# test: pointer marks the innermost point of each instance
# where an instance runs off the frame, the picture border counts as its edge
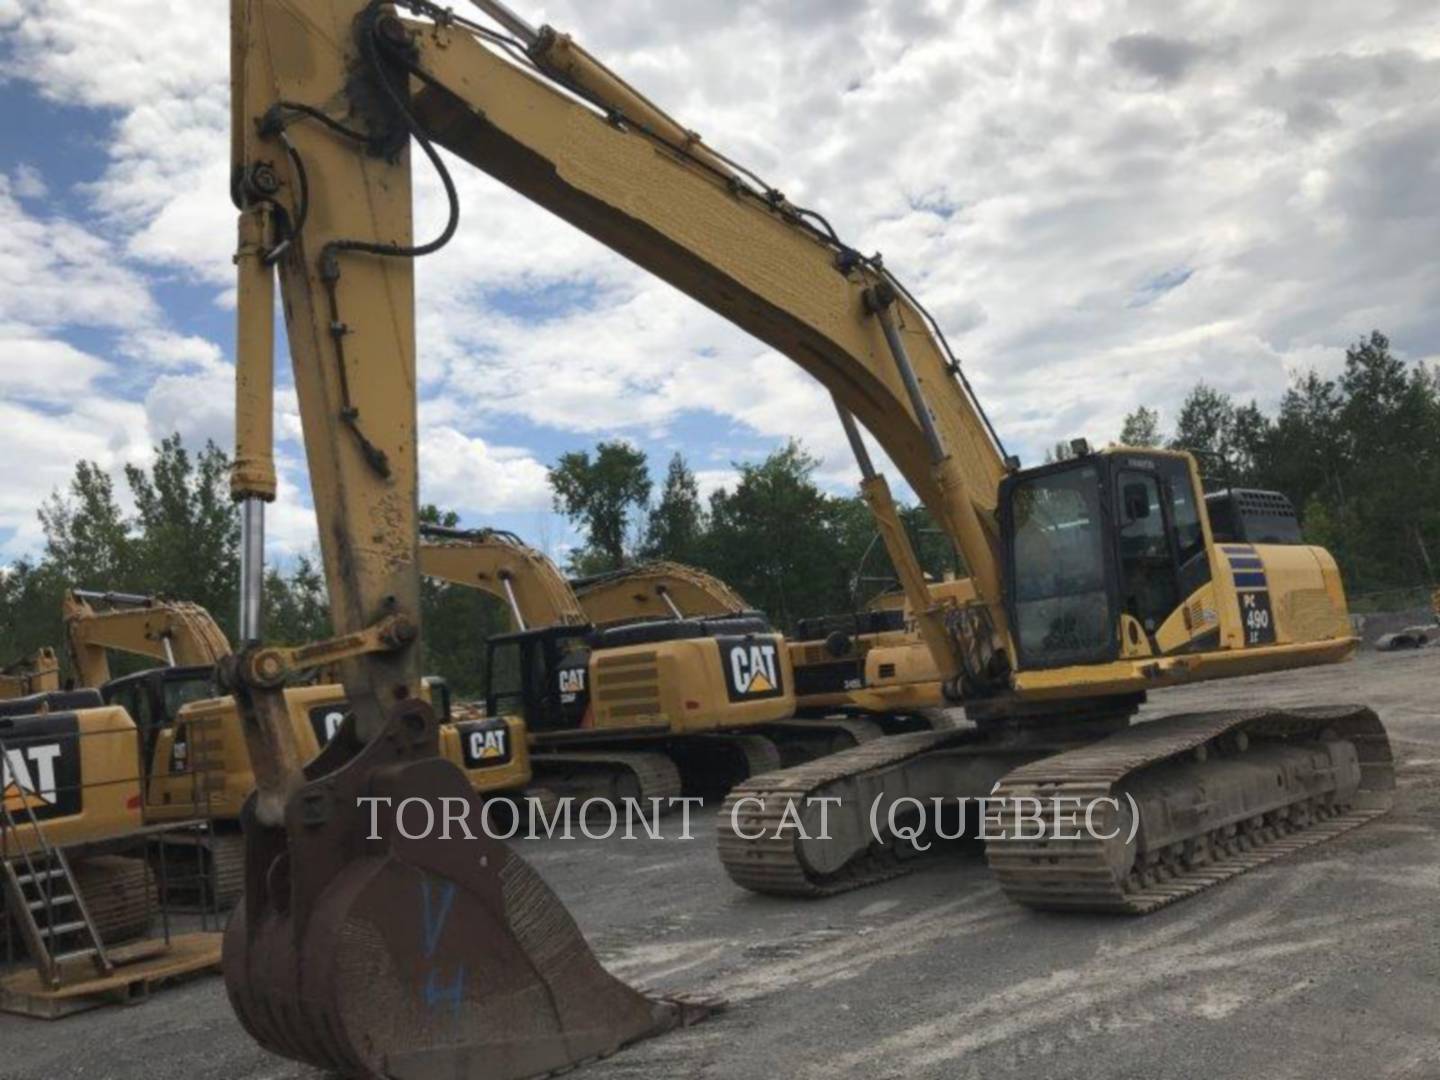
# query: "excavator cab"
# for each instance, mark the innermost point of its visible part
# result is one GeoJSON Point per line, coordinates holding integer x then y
{"type": "Point", "coordinates": [1105, 553]}
{"type": "Point", "coordinates": [541, 675]}
{"type": "Point", "coordinates": [154, 698]}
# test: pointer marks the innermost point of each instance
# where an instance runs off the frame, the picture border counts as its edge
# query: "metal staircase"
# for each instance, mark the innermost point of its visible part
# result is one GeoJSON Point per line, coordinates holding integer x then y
{"type": "Point", "coordinates": [44, 899]}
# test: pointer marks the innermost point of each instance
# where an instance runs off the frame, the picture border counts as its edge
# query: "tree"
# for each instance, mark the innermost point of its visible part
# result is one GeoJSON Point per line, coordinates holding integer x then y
{"type": "Point", "coordinates": [1141, 428]}
{"type": "Point", "coordinates": [87, 540]}
{"type": "Point", "coordinates": [676, 525]}
{"type": "Point", "coordinates": [297, 604]}
{"type": "Point", "coordinates": [776, 538]}
{"type": "Point", "coordinates": [1206, 422]}
{"type": "Point", "coordinates": [186, 528]}
{"type": "Point", "coordinates": [1250, 434]}
{"type": "Point", "coordinates": [599, 494]}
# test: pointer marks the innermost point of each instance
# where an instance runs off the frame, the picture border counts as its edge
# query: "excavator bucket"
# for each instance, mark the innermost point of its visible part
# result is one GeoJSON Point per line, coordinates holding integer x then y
{"type": "Point", "coordinates": [363, 951]}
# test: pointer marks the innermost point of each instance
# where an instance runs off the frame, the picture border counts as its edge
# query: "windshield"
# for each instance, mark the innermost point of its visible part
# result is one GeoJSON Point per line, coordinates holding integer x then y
{"type": "Point", "coordinates": [1062, 610]}
{"type": "Point", "coordinates": [180, 692]}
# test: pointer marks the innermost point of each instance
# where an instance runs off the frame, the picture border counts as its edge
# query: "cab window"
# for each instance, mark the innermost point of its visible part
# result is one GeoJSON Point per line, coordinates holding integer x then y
{"type": "Point", "coordinates": [1058, 578]}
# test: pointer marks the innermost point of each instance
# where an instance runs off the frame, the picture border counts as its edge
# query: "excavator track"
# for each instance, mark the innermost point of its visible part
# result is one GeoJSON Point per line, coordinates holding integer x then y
{"type": "Point", "coordinates": [1048, 871]}
{"type": "Point", "coordinates": [774, 862]}
{"type": "Point", "coordinates": [203, 871]}
{"type": "Point", "coordinates": [121, 895]}
{"type": "Point", "coordinates": [805, 739]}
{"type": "Point", "coordinates": [761, 754]}
{"type": "Point", "coordinates": [608, 775]}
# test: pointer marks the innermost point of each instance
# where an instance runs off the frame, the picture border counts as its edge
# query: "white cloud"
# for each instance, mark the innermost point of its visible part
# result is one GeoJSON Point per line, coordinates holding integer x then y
{"type": "Point", "coordinates": [473, 477]}
{"type": "Point", "coordinates": [1101, 203]}
{"type": "Point", "coordinates": [27, 183]}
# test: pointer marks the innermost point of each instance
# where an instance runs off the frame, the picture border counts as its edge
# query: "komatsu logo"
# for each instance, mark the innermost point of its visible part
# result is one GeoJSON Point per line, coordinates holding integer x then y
{"type": "Point", "coordinates": [41, 768]}
{"type": "Point", "coordinates": [752, 667]}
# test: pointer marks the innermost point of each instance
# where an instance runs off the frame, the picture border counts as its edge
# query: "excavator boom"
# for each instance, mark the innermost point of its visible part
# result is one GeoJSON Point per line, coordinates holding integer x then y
{"type": "Point", "coordinates": [176, 633]}
{"type": "Point", "coordinates": [531, 586]}
{"type": "Point", "coordinates": [536, 593]}
{"type": "Point", "coordinates": [656, 590]}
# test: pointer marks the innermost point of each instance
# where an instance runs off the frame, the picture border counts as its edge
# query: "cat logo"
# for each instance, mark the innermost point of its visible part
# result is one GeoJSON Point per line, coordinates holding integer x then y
{"type": "Point", "coordinates": [484, 743]}
{"type": "Point", "coordinates": [325, 721]}
{"type": "Point", "coordinates": [572, 684]}
{"type": "Point", "coordinates": [40, 770]}
{"type": "Point", "coordinates": [752, 667]}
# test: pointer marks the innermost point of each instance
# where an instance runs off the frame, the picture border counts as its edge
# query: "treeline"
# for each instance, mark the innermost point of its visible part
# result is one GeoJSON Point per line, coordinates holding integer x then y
{"type": "Point", "coordinates": [790, 548]}
{"type": "Point", "coordinates": [1359, 455]}
{"type": "Point", "coordinates": [183, 542]}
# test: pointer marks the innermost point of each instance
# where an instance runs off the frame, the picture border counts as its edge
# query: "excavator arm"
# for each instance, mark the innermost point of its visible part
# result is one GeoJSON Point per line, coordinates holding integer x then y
{"type": "Point", "coordinates": [544, 117]}
{"type": "Point", "coordinates": [656, 590]}
{"type": "Point", "coordinates": [496, 562]}
{"type": "Point", "coordinates": [176, 633]}
{"type": "Point", "coordinates": [537, 594]}
{"type": "Point", "coordinates": [362, 947]}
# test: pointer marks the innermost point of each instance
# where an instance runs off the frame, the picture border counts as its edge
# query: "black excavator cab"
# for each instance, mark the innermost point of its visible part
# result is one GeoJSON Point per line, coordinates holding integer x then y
{"type": "Point", "coordinates": [541, 674]}
{"type": "Point", "coordinates": [154, 697]}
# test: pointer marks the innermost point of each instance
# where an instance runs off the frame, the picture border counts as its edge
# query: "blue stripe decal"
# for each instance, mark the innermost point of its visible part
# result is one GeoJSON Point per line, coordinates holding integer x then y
{"type": "Point", "coordinates": [1250, 580]}
{"type": "Point", "coordinates": [1246, 562]}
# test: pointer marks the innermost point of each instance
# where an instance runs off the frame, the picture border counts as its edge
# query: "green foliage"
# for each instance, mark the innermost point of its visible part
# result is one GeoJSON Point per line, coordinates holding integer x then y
{"type": "Point", "coordinates": [186, 530]}
{"type": "Point", "coordinates": [297, 606]}
{"type": "Point", "coordinates": [87, 539]}
{"type": "Point", "coordinates": [785, 545]}
{"type": "Point", "coordinates": [1207, 422]}
{"type": "Point", "coordinates": [676, 525]}
{"type": "Point", "coordinates": [1359, 455]}
{"type": "Point", "coordinates": [181, 542]}
{"type": "Point", "coordinates": [599, 494]}
{"type": "Point", "coordinates": [1141, 428]}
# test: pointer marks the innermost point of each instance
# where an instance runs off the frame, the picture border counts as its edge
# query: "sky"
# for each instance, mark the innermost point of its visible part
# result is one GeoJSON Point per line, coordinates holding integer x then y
{"type": "Point", "coordinates": [1102, 203]}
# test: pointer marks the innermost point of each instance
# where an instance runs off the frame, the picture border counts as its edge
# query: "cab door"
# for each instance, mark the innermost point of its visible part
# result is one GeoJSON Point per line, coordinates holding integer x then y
{"type": "Point", "coordinates": [1149, 579]}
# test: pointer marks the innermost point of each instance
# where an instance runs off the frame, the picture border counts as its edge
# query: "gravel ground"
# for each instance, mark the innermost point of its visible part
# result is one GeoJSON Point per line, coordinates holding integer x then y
{"type": "Point", "coordinates": [1324, 964]}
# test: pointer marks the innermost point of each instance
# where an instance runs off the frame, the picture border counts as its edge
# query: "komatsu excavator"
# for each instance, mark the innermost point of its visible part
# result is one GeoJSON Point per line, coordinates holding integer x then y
{"type": "Point", "coordinates": [380, 950]}
{"type": "Point", "coordinates": [37, 673]}
{"type": "Point", "coordinates": [642, 683]}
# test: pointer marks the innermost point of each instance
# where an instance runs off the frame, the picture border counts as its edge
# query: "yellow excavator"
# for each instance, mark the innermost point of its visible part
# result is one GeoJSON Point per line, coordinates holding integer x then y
{"type": "Point", "coordinates": [642, 683]}
{"type": "Point", "coordinates": [658, 589]}
{"type": "Point", "coordinates": [373, 948]}
{"type": "Point", "coordinates": [873, 662]}
{"type": "Point", "coordinates": [37, 673]}
{"type": "Point", "coordinates": [191, 746]}
{"type": "Point", "coordinates": [69, 807]}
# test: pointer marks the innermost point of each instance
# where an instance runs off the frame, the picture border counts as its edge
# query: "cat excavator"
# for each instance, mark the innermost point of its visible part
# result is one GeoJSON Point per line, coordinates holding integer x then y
{"type": "Point", "coordinates": [658, 589]}
{"type": "Point", "coordinates": [375, 949]}
{"type": "Point", "coordinates": [37, 673]}
{"type": "Point", "coordinates": [643, 683]}
{"type": "Point", "coordinates": [191, 746]}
